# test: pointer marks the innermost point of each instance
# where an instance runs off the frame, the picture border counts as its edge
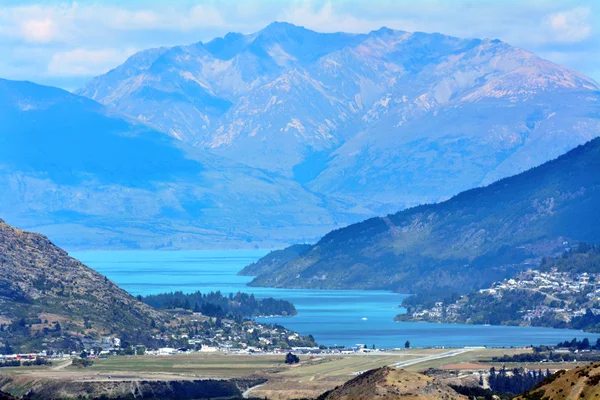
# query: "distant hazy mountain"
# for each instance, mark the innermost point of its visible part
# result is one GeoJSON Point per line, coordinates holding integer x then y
{"type": "Point", "coordinates": [88, 177]}
{"type": "Point", "coordinates": [467, 242]}
{"type": "Point", "coordinates": [379, 121]}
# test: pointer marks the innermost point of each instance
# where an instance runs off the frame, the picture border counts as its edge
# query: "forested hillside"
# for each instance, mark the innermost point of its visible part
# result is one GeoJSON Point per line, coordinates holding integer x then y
{"type": "Point", "coordinates": [477, 237]}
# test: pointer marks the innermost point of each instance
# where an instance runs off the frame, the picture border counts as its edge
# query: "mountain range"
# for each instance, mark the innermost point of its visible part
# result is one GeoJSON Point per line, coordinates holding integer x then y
{"type": "Point", "coordinates": [279, 136]}
{"type": "Point", "coordinates": [380, 120]}
{"type": "Point", "coordinates": [475, 238]}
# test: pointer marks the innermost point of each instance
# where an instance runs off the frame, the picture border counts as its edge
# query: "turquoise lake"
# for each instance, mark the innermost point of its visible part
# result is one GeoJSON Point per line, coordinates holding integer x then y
{"type": "Point", "coordinates": [331, 316]}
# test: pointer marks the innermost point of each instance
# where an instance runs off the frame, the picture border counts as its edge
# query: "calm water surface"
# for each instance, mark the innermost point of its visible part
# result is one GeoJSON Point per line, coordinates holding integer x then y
{"type": "Point", "coordinates": [331, 316]}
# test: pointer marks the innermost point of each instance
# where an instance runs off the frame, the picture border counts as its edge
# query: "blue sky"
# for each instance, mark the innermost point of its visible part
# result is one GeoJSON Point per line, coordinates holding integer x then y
{"type": "Point", "coordinates": [65, 43]}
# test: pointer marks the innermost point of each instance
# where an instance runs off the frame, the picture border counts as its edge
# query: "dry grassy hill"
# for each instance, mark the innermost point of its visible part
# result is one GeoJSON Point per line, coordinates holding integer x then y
{"type": "Point", "coordinates": [390, 384]}
{"type": "Point", "coordinates": [579, 383]}
{"type": "Point", "coordinates": [50, 300]}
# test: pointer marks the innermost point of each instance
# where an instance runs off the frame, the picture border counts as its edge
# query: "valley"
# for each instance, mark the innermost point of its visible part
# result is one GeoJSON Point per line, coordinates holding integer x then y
{"type": "Point", "coordinates": [313, 376]}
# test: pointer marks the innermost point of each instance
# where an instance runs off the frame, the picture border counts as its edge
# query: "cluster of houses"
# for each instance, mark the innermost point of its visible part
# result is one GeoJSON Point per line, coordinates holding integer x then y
{"type": "Point", "coordinates": [553, 283]}
{"type": "Point", "coordinates": [438, 311]}
{"type": "Point", "coordinates": [18, 357]}
{"type": "Point", "coordinates": [563, 292]}
{"type": "Point", "coordinates": [233, 336]}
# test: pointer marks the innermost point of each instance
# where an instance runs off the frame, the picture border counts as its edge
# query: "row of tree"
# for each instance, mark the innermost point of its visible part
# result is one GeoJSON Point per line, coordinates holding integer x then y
{"type": "Point", "coordinates": [517, 382]}
{"type": "Point", "coordinates": [26, 363]}
{"type": "Point", "coordinates": [579, 345]}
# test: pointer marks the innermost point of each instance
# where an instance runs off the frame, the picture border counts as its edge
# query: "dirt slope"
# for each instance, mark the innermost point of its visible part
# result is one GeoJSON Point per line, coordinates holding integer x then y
{"type": "Point", "coordinates": [390, 384]}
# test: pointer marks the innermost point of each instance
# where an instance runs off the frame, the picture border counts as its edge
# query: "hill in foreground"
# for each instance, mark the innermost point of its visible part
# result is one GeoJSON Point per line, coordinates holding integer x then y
{"type": "Point", "coordinates": [477, 237]}
{"type": "Point", "coordinates": [579, 383]}
{"type": "Point", "coordinates": [49, 300]}
{"type": "Point", "coordinates": [390, 383]}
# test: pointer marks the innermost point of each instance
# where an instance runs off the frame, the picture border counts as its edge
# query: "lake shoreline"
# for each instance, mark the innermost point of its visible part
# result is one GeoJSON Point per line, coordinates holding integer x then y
{"type": "Point", "coordinates": [331, 316]}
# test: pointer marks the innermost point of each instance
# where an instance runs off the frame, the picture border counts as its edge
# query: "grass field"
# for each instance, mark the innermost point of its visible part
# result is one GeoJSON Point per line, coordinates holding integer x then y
{"type": "Point", "coordinates": [193, 364]}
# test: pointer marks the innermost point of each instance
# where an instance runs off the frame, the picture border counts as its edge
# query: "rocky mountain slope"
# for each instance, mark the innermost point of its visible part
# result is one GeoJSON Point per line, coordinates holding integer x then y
{"type": "Point", "coordinates": [390, 383]}
{"type": "Point", "coordinates": [379, 121]}
{"type": "Point", "coordinates": [579, 383]}
{"type": "Point", "coordinates": [88, 177]}
{"type": "Point", "coordinates": [50, 300]}
{"type": "Point", "coordinates": [475, 238]}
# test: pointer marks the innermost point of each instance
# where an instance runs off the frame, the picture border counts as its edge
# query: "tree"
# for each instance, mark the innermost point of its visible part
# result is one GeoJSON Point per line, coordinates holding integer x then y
{"type": "Point", "coordinates": [407, 345]}
{"type": "Point", "coordinates": [292, 358]}
{"type": "Point", "coordinates": [373, 347]}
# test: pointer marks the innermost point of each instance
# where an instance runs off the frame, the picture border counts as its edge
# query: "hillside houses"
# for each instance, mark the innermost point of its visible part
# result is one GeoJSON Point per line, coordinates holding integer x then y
{"type": "Point", "coordinates": [553, 296]}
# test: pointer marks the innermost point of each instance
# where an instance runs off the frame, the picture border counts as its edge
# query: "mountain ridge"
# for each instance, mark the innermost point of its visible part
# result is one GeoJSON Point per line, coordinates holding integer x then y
{"type": "Point", "coordinates": [377, 110]}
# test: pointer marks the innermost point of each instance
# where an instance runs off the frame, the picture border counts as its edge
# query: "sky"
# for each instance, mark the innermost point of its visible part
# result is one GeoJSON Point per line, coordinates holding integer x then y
{"type": "Point", "coordinates": [65, 43]}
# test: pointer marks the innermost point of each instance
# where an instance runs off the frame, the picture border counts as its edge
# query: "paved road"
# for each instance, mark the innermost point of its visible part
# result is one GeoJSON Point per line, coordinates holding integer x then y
{"type": "Point", "coordinates": [403, 364]}
{"type": "Point", "coordinates": [414, 361]}
{"type": "Point", "coordinates": [246, 394]}
{"type": "Point", "coordinates": [62, 366]}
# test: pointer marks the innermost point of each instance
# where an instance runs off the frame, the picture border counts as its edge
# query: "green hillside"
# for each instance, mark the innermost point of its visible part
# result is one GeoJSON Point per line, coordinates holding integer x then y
{"type": "Point", "coordinates": [475, 238]}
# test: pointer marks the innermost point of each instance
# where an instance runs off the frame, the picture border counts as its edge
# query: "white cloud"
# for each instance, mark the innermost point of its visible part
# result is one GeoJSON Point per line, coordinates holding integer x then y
{"type": "Point", "coordinates": [39, 30]}
{"type": "Point", "coordinates": [83, 62]}
{"type": "Point", "coordinates": [170, 19]}
{"type": "Point", "coordinates": [73, 21]}
{"type": "Point", "coordinates": [571, 26]}
{"type": "Point", "coordinates": [37, 23]}
{"type": "Point", "coordinates": [327, 19]}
